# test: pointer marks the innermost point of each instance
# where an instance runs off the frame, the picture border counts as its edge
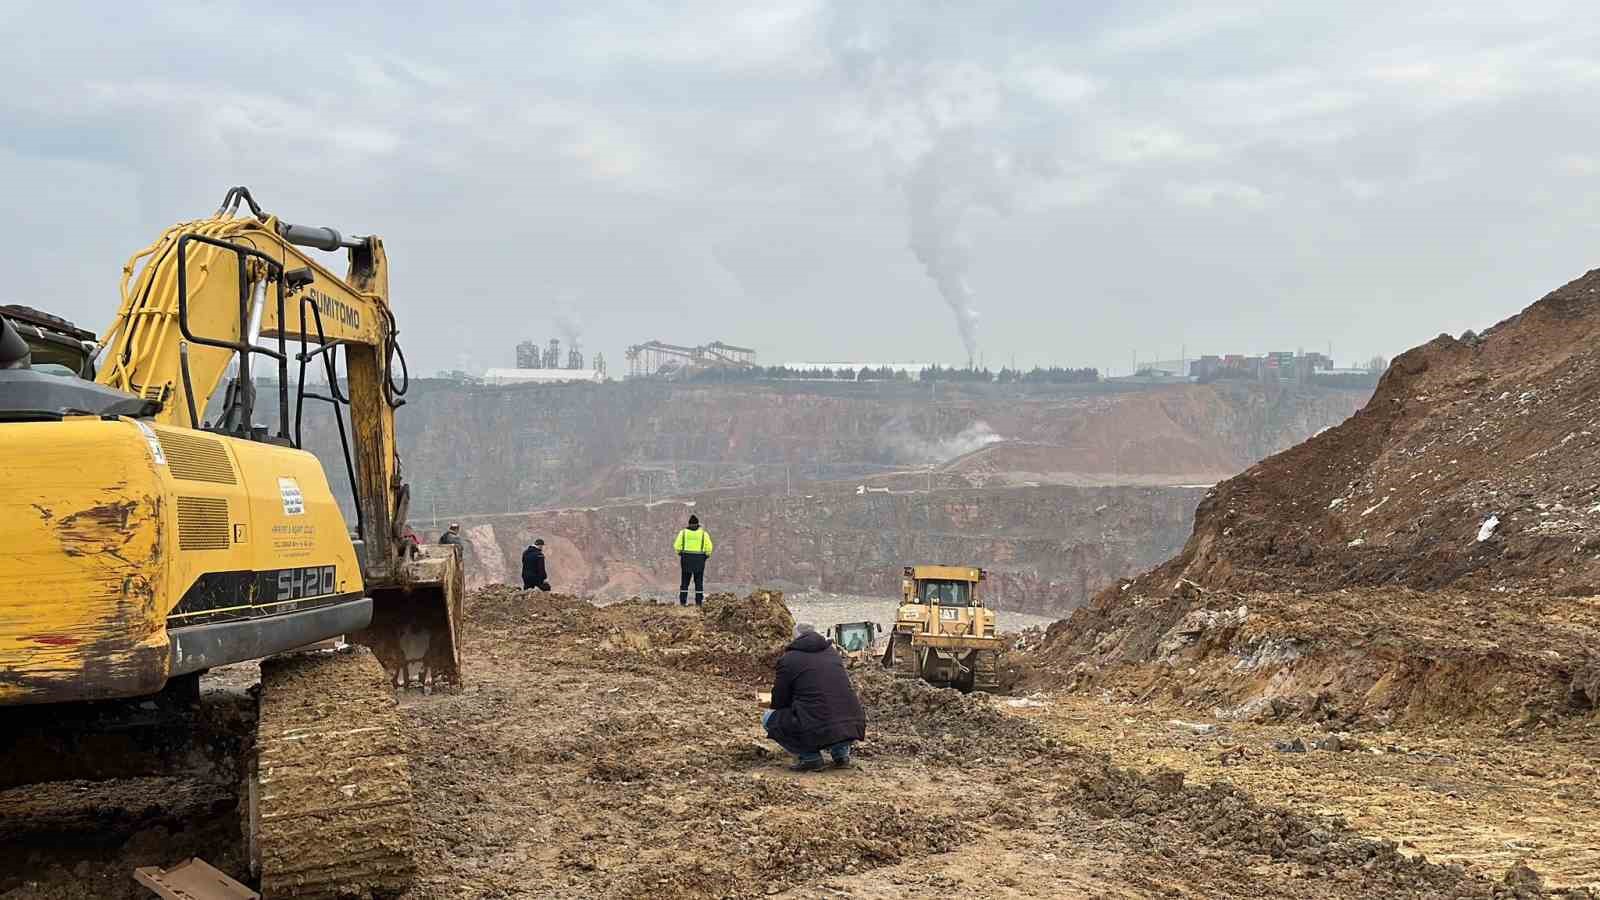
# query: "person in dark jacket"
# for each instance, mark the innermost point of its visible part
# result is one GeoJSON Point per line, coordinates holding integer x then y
{"type": "Point", "coordinates": [533, 571]}
{"type": "Point", "coordinates": [452, 536]}
{"type": "Point", "coordinates": [814, 708]}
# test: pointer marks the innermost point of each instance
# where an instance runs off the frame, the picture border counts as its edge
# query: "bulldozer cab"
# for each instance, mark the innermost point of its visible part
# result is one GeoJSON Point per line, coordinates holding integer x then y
{"type": "Point", "coordinates": [942, 592]}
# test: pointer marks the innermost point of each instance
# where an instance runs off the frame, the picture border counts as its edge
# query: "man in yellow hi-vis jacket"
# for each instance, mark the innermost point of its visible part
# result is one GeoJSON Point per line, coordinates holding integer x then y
{"type": "Point", "coordinates": [693, 546]}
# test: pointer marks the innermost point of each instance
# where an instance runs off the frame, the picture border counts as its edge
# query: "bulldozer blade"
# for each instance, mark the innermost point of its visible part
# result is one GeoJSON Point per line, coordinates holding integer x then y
{"type": "Point", "coordinates": [416, 621]}
{"type": "Point", "coordinates": [901, 658]}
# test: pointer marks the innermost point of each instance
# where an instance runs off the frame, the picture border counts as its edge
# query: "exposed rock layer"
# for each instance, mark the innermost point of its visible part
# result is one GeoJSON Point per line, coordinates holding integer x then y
{"type": "Point", "coordinates": [1047, 548]}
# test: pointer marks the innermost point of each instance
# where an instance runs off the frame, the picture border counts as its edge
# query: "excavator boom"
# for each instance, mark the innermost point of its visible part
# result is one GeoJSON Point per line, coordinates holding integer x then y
{"type": "Point", "coordinates": [242, 291]}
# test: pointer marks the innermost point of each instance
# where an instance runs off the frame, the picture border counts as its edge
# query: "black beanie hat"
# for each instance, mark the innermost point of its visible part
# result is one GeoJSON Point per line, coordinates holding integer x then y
{"type": "Point", "coordinates": [694, 520]}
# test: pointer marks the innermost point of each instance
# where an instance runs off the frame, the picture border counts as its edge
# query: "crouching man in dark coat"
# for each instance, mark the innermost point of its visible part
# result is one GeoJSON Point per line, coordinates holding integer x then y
{"type": "Point", "coordinates": [814, 708]}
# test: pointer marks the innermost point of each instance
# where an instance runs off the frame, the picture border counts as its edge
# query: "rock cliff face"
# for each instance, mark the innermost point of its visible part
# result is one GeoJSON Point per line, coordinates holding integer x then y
{"type": "Point", "coordinates": [481, 450]}
{"type": "Point", "coordinates": [1047, 548]}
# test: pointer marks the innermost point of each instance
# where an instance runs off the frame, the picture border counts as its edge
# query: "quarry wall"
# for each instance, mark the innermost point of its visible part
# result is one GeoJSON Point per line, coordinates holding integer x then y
{"type": "Point", "coordinates": [1058, 490]}
{"type": "Point", "coordinates": [1047, 548]}
{"type": "Point", "coordinates": [470, 449]}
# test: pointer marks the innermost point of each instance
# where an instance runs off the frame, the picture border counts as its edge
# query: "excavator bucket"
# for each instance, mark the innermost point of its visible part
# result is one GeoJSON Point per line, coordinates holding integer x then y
{"type": "Point", "coordinates": [416, 621]}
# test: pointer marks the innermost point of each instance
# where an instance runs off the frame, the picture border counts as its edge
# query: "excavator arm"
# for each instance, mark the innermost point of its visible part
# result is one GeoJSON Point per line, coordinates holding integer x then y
{"type": "Point", "coordinates": [241, 290]}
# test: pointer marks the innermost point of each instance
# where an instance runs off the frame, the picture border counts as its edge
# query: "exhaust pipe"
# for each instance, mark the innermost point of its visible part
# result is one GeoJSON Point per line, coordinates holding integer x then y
{"type": "Point", "coordinates": [14, 352]}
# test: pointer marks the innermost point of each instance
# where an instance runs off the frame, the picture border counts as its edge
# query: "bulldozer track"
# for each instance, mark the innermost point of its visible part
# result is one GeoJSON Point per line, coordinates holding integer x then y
{"type": "Point", "coordinates": [985, 671]}
{"type": "Point", "coordinates": [330, 807]}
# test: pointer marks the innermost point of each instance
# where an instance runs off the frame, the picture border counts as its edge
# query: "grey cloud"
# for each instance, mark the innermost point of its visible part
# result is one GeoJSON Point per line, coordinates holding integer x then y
{"type": "Point", "coordinates": [1251, 176]}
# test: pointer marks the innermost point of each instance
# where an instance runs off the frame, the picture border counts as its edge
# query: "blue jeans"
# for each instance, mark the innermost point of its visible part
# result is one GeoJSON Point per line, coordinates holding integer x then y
{"type": "Point", "coordinates": [840, 751]}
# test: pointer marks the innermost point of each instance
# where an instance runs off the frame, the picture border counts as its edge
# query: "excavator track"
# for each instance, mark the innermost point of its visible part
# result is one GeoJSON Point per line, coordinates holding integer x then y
{"type": "Point", "coordinates": [329, 810]}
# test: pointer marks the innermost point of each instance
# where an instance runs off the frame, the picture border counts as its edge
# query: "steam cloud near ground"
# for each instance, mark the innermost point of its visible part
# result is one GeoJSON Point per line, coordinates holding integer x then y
{"type": "Point", "coordinates": [906, 446]}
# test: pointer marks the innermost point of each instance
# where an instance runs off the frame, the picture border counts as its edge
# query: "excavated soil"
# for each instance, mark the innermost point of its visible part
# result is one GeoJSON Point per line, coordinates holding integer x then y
{"type": "Point", "coordinates": [1436, 558]}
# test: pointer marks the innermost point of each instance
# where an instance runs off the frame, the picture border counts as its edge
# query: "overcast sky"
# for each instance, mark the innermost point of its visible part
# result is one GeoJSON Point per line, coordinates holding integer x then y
{"type": "Point", "coordinates": [800, 177]}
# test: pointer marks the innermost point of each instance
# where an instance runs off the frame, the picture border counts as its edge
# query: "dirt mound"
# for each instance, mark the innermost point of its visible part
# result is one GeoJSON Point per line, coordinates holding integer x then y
{"type": "Point", "coordinates": [1470, 466]}
{"type": "Point", "coordinates": [501, 605]}
{"type": "Point", "coordinates": [945, 719]}
{"type": "Point", "coordinates": [761, 616]}
{"type": "Point", "coordinates": [1469, 469]}
{"type": "Point", "coordinates": [733, 636]}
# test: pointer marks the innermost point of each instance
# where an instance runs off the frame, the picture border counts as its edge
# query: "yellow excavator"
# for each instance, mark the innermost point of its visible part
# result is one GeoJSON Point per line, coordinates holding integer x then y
{"type": "Point", "coordinates": [148, 539]}
{"type": "Point", "coordinates": [943, 633]}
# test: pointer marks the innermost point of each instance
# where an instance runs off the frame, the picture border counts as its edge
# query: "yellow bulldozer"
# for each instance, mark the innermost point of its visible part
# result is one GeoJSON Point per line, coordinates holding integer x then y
{"type": "Point", "coordinates": [943, 633]}
{"type": "Point", "coordinates": [151, 535]}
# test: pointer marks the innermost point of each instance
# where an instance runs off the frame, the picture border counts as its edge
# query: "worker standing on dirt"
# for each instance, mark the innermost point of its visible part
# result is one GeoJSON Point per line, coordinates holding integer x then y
{"type": "Point", "coordinates": [693, 546]}
{"type": "Point", "coordinates": [533, 571]}
{"type": "Point", "coordinates": [814, 707]}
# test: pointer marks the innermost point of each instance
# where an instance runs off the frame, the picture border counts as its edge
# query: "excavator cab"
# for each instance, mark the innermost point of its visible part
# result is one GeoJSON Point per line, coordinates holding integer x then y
{"type": "Point", "coordinates": [54, 345]}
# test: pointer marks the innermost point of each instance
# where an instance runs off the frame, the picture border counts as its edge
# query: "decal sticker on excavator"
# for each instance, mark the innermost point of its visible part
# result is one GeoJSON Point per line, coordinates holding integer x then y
{"type": "Point", "coordinates": [294, 502]}
{"type": "Point", "coordinates": [156, 452]}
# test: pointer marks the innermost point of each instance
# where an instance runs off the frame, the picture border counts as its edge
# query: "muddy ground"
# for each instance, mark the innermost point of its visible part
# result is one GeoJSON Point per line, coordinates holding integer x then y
{"type": "Point", "coordinates": [617, 752]}
{"type": "Point", "coordinates": [1479, 797]}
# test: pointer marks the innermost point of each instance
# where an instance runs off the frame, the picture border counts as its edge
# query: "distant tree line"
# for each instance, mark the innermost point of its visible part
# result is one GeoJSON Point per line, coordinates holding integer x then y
{"type": "Point", "coordinates": [784, 373]}
{"type": "Point", "coordinates": [936, 373]}
{"type": "Point", "coordinates": [1052, 375]}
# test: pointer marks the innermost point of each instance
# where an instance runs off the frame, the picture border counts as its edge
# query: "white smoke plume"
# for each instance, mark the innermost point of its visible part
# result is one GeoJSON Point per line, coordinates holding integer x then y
{"type": "Point", "coordinates": [950, 179]}
{"type": "Point", "coordinates": [955, 137]}
{"type": "Point", "coordinates": [906, 446]}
